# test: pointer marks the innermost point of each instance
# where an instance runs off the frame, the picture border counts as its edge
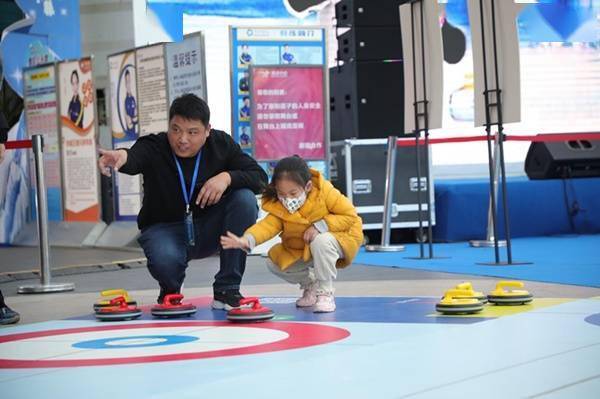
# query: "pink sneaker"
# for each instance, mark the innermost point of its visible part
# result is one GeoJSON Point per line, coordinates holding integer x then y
{"type": "Point", "coordinates": [325, 303]}
{"type": "Point", "coordinates": [308, 299]}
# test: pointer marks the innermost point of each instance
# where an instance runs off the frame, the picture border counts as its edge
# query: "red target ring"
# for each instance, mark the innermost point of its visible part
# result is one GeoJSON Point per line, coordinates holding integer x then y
{"type": "Point", "coordinates": [300, 335]}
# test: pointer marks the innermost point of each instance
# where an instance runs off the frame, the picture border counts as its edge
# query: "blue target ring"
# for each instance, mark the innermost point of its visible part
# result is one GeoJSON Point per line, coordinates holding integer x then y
{"type": "Point", "coordinates": [144, 341]}
{"type": "Point", "coordinates": [593, 319]}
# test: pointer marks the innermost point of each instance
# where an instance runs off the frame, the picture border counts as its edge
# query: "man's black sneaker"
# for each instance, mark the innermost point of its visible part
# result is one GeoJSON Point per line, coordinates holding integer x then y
{"type": "Point", "coordinates": [8, 316]}
{"type": "Point", "coordinates": [161, 296]}
{"type": "Point", "coordinates": [226, 300]}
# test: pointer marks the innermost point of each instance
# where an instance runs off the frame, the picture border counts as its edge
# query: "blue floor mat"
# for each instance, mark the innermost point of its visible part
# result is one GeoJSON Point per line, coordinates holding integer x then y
{"type": "Point", "coordinates": [559, 259]}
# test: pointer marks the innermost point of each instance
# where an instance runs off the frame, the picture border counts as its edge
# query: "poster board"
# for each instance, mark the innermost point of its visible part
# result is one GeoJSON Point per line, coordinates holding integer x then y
{"type": "Point", "coordinates": [414, 69]}
{"type": "Point", "coordinates": [123, 96]}
{"type": "Point", "coordinates": [143, 83]}
{"type": "Point", "coordinates": [288, 112]}
{"type": "Point", "coordinates": [508, 56]}
{"type": "Point", "coordinates": [186, 70]}
{"type": "Point", "coordinates": [124, 121]}
{"type": "Point", "coordinates": [41, 117]}
{"type": "Point", "coordinates": [257, 46]}
{"type": "Point", "coordinates": [78, 141]}
{"type": "Point", "coordinates": [152, 89]}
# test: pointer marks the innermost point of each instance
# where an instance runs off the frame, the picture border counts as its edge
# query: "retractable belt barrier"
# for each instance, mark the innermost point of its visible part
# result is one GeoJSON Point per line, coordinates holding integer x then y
{"type": "Point", "coordinates": [546, 137]}
{"type": "Point", "coordinates": [45, 286]}
{"type": "Point", "coordinates": [411, 142]}
{"type": "Point", "coordinates": [13, 145]}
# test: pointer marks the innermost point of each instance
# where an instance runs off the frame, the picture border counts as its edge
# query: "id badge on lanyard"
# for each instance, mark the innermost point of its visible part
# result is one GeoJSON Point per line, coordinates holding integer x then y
{"type": "Point", "coordinates": [189, 226]}
{"type": "Point", "coordinates": [188, 219]}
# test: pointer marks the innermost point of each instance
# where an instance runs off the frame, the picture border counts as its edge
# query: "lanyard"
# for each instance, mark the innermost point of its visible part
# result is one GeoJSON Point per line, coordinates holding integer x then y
{"type": "Point", "coordinates": [187, 196]}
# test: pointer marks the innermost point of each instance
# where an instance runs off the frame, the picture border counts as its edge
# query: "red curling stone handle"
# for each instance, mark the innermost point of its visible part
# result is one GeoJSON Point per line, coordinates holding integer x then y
{"type": "Point", "coordinates": [119, 301]}
{"type": "Point", "coordinates": [251, 301]}
{"type": "Point", "coordinates": [173, 299]}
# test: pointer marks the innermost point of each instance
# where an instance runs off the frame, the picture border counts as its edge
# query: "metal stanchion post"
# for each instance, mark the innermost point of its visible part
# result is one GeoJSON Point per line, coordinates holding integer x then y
{"type": "Point", "coordinates": [386, 225]}
{"type": "Point", "coordinates": [419, 188]}
{"type": "Point", "coordinates": [489, 241]}
{"type": "Point", "coordinates": [495, 103]}
{"type": "Point", "coordinates": [42, 216]}
{"type": "Point", "coordinates": [421, 125]}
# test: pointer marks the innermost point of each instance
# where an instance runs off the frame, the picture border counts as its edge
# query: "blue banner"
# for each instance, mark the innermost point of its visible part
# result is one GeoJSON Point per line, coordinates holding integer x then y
{"type": "Point", "coordinates": [50, 31]}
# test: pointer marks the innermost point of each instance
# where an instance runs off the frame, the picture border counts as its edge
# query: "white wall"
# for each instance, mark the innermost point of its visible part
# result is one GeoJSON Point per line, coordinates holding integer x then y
{"type": "Point", "coordinates": [106, 28]}
{"type": "Point", "coordinates": [148, 29]}
{"type": "Point", "coordinates": [111, 26]}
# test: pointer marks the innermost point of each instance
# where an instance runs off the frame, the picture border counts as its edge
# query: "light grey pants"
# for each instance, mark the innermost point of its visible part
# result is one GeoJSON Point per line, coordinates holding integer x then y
{"type": "Point", "coordinates": [325, 250]}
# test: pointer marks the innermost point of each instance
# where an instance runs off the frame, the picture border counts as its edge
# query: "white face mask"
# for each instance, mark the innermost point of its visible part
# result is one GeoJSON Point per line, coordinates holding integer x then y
{"type": "Point", "coordinates": [293, 204]}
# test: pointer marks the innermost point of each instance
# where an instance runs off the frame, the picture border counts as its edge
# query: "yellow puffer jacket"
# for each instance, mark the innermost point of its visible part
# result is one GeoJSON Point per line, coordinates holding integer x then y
{"type": "Point", "coordinates": [323, 202]}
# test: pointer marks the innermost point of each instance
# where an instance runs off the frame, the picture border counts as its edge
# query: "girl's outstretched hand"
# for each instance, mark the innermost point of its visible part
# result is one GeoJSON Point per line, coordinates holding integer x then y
{"type": "Point", "coordinates": [231, 241]}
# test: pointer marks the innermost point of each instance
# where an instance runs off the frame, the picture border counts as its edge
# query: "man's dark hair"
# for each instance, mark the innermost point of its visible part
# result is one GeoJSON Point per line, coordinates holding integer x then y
{"type": "Point", "coordinates": [191, 107]}
{"type": "Point", "coordinates": [74, 73]}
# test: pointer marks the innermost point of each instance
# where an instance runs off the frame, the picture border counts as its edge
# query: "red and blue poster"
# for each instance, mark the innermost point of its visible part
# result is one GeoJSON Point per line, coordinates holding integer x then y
{"type": "Point", "coordinates": [287, 114]}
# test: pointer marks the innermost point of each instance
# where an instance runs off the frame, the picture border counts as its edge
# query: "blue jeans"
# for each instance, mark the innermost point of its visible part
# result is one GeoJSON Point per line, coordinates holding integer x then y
{"type": "Point", "coordinates": [166, 249]}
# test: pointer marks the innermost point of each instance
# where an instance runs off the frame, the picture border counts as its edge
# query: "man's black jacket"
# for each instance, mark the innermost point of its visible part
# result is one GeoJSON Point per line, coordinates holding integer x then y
{"type": "Point", "coordinates": [163, 197]}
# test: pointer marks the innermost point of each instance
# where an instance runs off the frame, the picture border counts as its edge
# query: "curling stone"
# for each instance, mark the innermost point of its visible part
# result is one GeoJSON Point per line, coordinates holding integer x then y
{"type": "Point", "coordinates": [467, 286]}
{"type": "Point", "coordinates": [118, 310]}
{"type": "Point", "coordinates": [107, 295]}
{"type": "Point", "coordinates": [173, 307]}
{"type": "Point", "coordinates": [500, 296]}
{"type": "Point", "coordinates": [458, 302]}
{"type": "Point", "coordinates": [250, 314]}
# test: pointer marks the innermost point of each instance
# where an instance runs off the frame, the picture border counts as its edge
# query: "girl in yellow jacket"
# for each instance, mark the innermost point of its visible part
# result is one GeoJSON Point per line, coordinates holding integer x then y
{"type": "Point", "coordinates": [320, 231]}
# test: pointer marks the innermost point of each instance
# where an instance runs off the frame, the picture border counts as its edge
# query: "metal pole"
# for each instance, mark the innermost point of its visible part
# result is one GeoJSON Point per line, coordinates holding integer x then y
{"type": "Point", "coordinates": [42, 216]}
{"type": "Point", "coordinates": [488, 128]}
{"type": "Point", "coordinates": [426, 126]}
{"type": "Point", "coordinates": [417, 129]}
{"type": "Point", "coordinates": [348, 165]}
{"type": "Point", "coordinates": [489, 240]}
{"type": "Point", "coordinates": [419, 202]}
{"type": "Point", "coordinates": [390, 176]}
{"type": "Point", "coordinates": [425, 116]}
{"type": "Point", "coordinates": [428, 201]}
{"type": "Point", "coordinates": [501, 143]}
{"type": "Point", "coordinates": [390, 173]}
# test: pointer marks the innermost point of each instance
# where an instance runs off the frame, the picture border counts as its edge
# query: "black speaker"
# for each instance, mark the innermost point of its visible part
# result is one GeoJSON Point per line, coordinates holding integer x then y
{"type": "Point", "coordinates": [367, 100]}
{"type": "Point", "coordinates": [335, 121]}
{"type": "Point", "coordinates": [573, 158]}
{"type": "Point", "coordinates": [370, 44]}
{"type": "Point", "coordinates": [368, 12]}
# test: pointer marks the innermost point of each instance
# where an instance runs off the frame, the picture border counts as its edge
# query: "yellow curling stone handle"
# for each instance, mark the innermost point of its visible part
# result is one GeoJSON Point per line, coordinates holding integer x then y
{"type": "Point", "coordinates": [465, 286]}
{"type": "Point", "coordinates": [454, 297]}
{"type": "Point", "coordinates": [117, 292]}
{"type": "Point", "coordinates": [452, 294]}
{"type": "Point", "coordinates": [506, 284]}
